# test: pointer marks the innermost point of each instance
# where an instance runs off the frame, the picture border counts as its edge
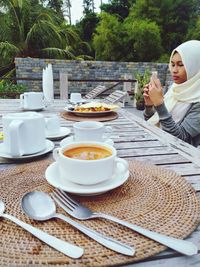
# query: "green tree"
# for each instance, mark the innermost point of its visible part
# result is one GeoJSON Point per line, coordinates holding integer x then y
{"type": "Point", "coordinates": [87, 26]}
{"type": "Point", "coordinates": [118, 7]}
{"type": "Point", "coordinates": [173, 17]}
{"type": "Point", "coordinates": [143, 42]}
{"type": "Point", "coordinates": [194, 32]}
{"type": "Point", "coordinates": [108, 38]}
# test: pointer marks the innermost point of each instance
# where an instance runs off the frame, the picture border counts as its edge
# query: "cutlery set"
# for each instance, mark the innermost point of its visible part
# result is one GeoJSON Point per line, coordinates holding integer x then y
{"type": "Point", "coordinates": [41, 207]}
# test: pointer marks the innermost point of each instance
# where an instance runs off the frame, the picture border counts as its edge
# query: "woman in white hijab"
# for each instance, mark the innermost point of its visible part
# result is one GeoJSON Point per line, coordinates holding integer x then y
{"type": "Point", "coordinates": [178, 111]}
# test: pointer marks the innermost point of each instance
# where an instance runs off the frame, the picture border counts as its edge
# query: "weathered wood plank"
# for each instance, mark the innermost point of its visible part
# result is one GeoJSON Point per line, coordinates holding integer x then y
{"type": "Point", "coordinates": [139, 138]}
{"type": "Point", "coordinates": [145, 151]}
{"type": "Point", "coordinates": [133, 134]}
{"type": "Point", "coordinates": [158, 160]}
{"type": "Point", "coordinates": [136, 144]}
{"type": "Point", "coordinates": [192, 178]}
{"type": "Point", "coordinates": [184, 169]}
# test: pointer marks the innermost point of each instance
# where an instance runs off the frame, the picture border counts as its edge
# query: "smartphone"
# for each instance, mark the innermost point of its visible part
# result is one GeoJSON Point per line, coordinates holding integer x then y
{"type": "Point", "coordinates": [154, 75]}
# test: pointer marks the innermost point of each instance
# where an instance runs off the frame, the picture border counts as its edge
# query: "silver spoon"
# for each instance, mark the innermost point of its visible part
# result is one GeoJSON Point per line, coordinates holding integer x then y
{"type": "Point", "coordinates": [40, 206]}
{"type": "Point", "coordinates": [60, 245]}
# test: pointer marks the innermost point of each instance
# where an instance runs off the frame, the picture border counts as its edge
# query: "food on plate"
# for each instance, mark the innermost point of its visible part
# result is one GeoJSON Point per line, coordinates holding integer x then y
{"type": "Point", "coordinates": [96, 107]}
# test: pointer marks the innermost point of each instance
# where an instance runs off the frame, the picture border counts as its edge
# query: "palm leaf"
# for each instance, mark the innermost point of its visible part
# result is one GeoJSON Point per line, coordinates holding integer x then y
{"type": "Point", "coordinates": [16, 10]}
{"type": "Point", "coordinates": [84, 57]}
{"type": "Point", "coordinates": [46, 31]}
{"type": "Point", "coordinates": [4, 29]}
{"type": "Point", "coordinates": [57, 53]}
{"type": "Point", "coordinates": [69, 34]}
{"type": "Point", "coordinates": [8, 50]}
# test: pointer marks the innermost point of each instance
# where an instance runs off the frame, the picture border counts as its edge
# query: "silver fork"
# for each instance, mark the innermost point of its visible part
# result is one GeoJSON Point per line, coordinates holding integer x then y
{"type": "Point", "coordinates": [106, 241]}
{"type": "Point", "coordinates": [81, 212]}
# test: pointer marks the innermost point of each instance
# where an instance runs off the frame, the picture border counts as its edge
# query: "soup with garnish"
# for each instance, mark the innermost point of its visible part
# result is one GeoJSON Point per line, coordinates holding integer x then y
{"type": "Point", "coordinates": [87, 153]}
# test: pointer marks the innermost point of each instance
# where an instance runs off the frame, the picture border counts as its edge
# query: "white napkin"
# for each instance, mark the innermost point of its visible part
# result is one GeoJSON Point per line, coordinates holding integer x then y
{"type": "Point", "coordinates": [47, 83]}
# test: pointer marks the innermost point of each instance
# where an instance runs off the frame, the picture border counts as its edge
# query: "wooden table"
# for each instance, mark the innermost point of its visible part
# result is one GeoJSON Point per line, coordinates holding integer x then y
{"type": "Point", "coordinates": [136, 139]}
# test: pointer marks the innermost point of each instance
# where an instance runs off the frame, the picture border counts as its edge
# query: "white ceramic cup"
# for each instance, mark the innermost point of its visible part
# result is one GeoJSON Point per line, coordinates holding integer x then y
{"type": "Point", "coordinates": [88, 172]}
{"type": "Point", "coordinates": [75, 98]}
{"type": "Point", "coordinates": [91, 131]}
{"type": "Point", "coordinates": [52, 125]}
{"type": "Point", "coordinates": [32, 100]}
{"type": "Point", "coordinates": [24, 133]}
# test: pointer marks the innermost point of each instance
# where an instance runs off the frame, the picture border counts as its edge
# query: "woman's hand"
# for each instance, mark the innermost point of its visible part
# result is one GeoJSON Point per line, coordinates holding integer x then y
{"type": "Point", "coordinates": [147, 99]}
{"type": "Point", "coordinates": [155, 92]}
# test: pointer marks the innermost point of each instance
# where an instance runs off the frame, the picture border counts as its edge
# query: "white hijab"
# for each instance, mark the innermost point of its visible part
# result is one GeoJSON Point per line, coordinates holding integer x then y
{"type": "Point", "coordinates": [189, 91]}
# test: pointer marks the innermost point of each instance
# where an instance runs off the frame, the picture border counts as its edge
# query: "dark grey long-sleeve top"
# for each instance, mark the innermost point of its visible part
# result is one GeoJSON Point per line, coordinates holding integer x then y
{"type": "Point", "coordinates": [187, 129]}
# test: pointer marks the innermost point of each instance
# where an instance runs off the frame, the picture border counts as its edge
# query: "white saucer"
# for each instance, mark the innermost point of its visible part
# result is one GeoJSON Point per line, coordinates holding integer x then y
{"type": "Point", "coordinates": [49, 147]}
{"type": "Point", "coordinates": [32, 109]}
{"type": "Point", "coordinates": [53, 178]}
{"type": "Point", "coordinates": [63, 132]}
{"type": "Point", "coordinates": [70, 139]}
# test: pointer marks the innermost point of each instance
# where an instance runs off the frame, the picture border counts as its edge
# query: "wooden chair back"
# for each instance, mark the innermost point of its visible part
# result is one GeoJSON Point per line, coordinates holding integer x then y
{"type": "Point", "coordinates": [95, 92]}
{"type": "Point", "coordinates": [116, 97]}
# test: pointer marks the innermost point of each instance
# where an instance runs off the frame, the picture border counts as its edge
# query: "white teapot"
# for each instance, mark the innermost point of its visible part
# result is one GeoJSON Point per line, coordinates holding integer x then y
{"type": "Point", "coordinates": [24, 133]}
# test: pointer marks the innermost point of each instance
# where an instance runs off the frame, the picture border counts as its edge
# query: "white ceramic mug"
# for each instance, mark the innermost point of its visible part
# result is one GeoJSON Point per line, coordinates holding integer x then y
{"type": "Point", "coordinates": [32, 100]}
{"type": "Point", "coordinates": [75, 98]}
{"type": "Point", "coordinates": [91, 131]}
{"type": "Point", "coordinates": [24, 133]}
{"type": "Point", "coordinates": [52, 125]}
{"type": "Point", "coordinates": [88, 172]}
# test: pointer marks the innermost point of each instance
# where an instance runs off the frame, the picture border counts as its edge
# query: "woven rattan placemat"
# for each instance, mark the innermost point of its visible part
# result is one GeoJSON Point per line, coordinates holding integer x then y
{"type": "Point", "coordinates": [153, 197]}
{"type": "Point", "coordinates": [72, 117]}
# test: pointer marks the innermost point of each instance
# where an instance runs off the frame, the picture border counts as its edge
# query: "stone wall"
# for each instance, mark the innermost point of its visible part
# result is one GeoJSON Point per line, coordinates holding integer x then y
{"type": "Point", "coordinates": [32, 68]}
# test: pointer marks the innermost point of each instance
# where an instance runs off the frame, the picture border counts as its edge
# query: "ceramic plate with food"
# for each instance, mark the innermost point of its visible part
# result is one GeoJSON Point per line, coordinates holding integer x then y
{"type": "Point", "coordinates": [93, 109]}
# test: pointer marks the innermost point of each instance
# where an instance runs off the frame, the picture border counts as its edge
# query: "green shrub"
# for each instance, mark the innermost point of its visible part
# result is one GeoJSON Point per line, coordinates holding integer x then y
{"type": "Point", "coordinates": [11, 90]}
{"type": "Point", "coordinates": [142, 80]}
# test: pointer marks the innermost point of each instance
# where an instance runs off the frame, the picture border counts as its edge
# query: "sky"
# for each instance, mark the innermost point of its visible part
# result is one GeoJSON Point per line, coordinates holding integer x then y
{"type": "Point", "coordinates": [77, 9]}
